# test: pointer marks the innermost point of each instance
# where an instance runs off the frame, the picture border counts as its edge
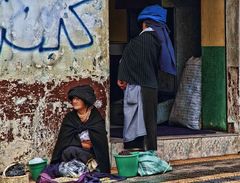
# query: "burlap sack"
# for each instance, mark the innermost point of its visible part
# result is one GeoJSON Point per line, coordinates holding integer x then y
{"type": "Point", "coordinates": [186, 110]}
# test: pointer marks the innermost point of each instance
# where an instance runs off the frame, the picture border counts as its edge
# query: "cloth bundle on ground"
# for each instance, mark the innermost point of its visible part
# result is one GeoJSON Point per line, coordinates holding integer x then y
{"type": "Point", "coordinates": [51, 175]}
{"type": "Point", "coordinates": [149, 163]}
{"type": "Point", "coordinates": [69, 136]}
{"type": "Point", "coordinates": [72, 168]}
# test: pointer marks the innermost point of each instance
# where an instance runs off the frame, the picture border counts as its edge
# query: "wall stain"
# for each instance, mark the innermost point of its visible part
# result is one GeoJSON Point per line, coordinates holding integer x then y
{"type": "Point", "coordinates": [39, 125]}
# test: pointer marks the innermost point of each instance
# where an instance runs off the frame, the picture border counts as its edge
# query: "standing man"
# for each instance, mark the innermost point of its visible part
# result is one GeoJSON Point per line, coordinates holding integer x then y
{"type": "Point", "coordinates": [138, 77]}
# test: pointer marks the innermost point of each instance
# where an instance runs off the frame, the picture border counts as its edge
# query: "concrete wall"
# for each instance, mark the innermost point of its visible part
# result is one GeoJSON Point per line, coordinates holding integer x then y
{"type": "Point", "coordinates": [232, 44]}
{"type": "Point", "coordinates": [47, 47]}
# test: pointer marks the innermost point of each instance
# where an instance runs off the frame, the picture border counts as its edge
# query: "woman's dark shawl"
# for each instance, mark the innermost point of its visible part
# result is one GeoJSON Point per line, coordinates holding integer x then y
{"type": "Point", "coordinates": [158, 15]}
{"type": "Point", "coordinates": [68, 136]}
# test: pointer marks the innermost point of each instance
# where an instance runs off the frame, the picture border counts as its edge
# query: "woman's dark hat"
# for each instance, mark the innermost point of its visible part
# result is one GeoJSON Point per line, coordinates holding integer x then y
{"type": "Point", "coordinates": [84, 92]}
{"type": "Point", "coordinates": [153, 12]}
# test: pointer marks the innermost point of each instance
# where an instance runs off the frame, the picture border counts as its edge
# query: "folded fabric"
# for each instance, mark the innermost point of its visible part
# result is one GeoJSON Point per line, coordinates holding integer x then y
{"type": "Point", "coordinates": [50, 172]}
{"type": "Point", "coordinates": [102, 177]}
{"type": "Point", "coordinates": [95, 177]}
{"type": "Point", "coordinates": [132, 94]}
{"type": "Point", "coordinates": [92, 165]}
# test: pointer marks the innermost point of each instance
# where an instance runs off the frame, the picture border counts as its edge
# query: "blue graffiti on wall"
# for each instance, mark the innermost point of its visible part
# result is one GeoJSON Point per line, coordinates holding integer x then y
{"type": "Point", "coordinates": [61, 26]}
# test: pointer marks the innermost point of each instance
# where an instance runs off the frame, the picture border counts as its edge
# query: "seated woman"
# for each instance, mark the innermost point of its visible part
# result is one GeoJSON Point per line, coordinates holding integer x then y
{"type": "Point", "coordinates": [82, 134]}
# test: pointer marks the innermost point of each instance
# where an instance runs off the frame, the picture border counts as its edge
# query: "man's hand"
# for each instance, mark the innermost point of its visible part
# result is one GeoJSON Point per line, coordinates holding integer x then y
{"type": "Point", "coordinates": [122, 84]}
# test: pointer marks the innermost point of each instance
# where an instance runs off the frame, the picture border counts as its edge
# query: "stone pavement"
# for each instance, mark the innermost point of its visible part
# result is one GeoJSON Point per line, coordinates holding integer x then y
{"type": "Point", "coordinates": [204, 170]}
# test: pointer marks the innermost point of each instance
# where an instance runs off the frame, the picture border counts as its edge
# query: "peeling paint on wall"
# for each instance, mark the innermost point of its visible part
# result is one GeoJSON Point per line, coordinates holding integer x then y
{"type": "Point", "coordinates": [233, 99]}
{"type": "Point", "coordinates": [232, 44]}
{"type": "Point", "coordinates": [39, 64]}
{"type": "Point", "coordinates": [36, 123]}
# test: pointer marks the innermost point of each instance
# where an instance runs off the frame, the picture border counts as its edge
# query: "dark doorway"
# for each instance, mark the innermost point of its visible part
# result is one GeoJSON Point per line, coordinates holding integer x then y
{"type": "Point", "coordinates": [184, 22]}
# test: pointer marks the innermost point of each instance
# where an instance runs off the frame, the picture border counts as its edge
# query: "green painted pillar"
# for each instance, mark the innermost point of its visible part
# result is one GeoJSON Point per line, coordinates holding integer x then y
{"type": "Point", "coordinates": [214, 88]}
{"type": "Point", "coordinates": [214, 101]}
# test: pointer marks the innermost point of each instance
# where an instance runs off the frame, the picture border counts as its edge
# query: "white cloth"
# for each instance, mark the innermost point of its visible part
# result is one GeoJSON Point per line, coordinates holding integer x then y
{"type": "Point", "coordinates": [84, 136]}
{"type": "Point", "coordinates": [147, 30]}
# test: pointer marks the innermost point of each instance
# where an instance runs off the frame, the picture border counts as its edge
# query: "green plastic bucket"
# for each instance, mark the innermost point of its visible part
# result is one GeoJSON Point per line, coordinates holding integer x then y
{"type": "Point", "coordinates": [36, 169]}
{"type": "Point", "coordinates": [127, 165]}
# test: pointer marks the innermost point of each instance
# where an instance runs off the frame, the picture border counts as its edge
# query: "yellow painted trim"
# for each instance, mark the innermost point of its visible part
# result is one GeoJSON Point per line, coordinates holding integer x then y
{"type": "Point", "coordinates": [167, 3]}
{"type": "Point", "coordinates": [213, 22]}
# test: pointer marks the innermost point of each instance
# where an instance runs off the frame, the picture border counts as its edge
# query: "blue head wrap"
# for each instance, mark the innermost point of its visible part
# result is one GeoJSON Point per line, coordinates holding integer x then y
{"type": "Point", "coordinates": [154, 12]}
{"type": "Point", "coordinates": [158, 15]}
